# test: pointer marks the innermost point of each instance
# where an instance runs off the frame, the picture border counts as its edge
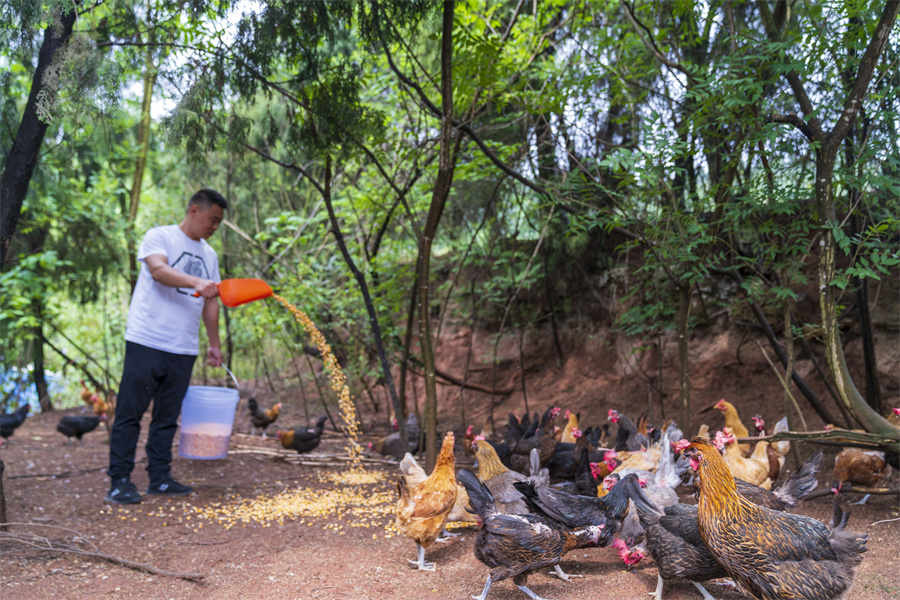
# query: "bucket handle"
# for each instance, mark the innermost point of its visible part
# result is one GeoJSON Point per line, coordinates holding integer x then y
{"type": "Point", "coordinates": [233, 378]}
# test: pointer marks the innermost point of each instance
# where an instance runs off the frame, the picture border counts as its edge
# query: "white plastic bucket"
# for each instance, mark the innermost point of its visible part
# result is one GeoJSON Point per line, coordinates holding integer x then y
{"type": "Point", "coordinates": [207, 418]}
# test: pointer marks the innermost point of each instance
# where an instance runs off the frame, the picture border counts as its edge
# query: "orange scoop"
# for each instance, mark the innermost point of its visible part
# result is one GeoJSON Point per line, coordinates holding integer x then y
{"type": "Point", "coordinates": [235, 292]}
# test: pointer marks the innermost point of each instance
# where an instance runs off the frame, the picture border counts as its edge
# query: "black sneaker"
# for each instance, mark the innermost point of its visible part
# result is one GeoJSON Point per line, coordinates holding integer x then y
{"type": "Point", "coordinates": [123, 492]}
{"type": "Point", "coordinates": [169, 487]}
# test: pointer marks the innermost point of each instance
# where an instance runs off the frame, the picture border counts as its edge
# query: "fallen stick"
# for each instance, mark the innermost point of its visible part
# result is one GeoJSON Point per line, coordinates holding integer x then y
{"type": "Point", "coordinates": [61, 474]}
{"type": "Point", "coordinates": [41, 544]}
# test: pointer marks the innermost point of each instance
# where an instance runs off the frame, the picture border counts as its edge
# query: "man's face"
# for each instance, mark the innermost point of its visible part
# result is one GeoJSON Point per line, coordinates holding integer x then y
{"type": "Point", "coordinates": [205, 221]}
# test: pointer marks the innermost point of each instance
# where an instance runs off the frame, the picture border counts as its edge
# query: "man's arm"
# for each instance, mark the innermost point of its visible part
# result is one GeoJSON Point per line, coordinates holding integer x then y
{"type": "Point", "coordinates": [211, 322]}
{"type": "Point", "coordinates": [166, 275]}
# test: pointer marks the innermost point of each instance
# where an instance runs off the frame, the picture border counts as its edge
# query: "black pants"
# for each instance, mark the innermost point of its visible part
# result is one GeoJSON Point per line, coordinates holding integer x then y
{"type": "Point", "coordinates": [148, 374]}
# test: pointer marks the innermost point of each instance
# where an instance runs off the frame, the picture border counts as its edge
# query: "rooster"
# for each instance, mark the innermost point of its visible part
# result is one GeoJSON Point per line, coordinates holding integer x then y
{"type": "Point", "coordinates": [303, 439]}
{"type": "Point", "coordinates": [422, 512]}
{"type": "Point", "coordinates": [517, 545]}
{"type": "Point", "coordinates": [770, 555]}
{"type": "Point", "coordinates": [260, 417]}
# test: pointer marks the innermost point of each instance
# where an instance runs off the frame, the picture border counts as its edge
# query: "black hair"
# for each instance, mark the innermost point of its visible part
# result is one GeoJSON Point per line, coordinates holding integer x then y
{"type": "Point", "coordinates": [206, 198]}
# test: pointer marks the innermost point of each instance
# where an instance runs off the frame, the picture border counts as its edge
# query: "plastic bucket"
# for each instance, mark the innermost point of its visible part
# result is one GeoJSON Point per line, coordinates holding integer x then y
{"type": "Point", "coordinates": [207, 417]}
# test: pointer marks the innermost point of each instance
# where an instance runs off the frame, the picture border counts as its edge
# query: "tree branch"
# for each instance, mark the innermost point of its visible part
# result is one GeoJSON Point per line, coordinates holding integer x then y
{"type": "Point", "coordinates": [795, 121]}
{"type": "Point", "coordinates": [864, 75]}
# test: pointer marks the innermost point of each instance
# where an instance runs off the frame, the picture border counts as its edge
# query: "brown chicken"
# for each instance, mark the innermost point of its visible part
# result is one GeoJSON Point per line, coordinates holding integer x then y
{"type": "Point", "coordinates": [770, 555]}
{"type": "Point", "coordinates": [86, 394]}
{"type": "Point", "coordinates": [734, 421]}
{"type": "Point", "coordinates": [894, 417]}
{"type": "Point", "coordinates": [99, 406]}
{"type": "Point", "coordinates": [422, 512]}
{"type": "Point", "coordinates": [260, 417]}
{"type": "Point", "coordinates": [516, 545]}
{"type": "Point", "coordinates": [568, 437]}
{"type": "Point", "coordinates": [754, 469]}
{"type": "Point", "coordinates": [855, 465]}
{"type": "Point", "coordinates": [416, 475]}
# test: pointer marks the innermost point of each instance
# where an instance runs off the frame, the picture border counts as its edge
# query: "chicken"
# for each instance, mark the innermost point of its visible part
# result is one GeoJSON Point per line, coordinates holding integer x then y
{"type": "Point", "coordinates": [673, 539]}
{"type": "Point", "coordinates": [303, 439]}
{"type": "Point", "coordinates": [574, 512]}
{"type": "Point", "coordinates": [753, 470]}
{"type": "Point", "coordinates": [99, 406]}
{"type": "Point", "coordinates": [392, 445]}
{"type": "Point", "coordinates": [733, 420]}
{"type": "Point", "coordinates": [86, 394]}
{"type": "Point", "coordinates": [542, 439]}
{"type": "Point", "coordinates": [775, 461]}
{"type": "Point", "coordinates": [894, 417]}
{"type": "Point", "coordinates": [855, 465]}
{"type": "Point", "coordinates": [627, 437]}
{"type": "Point", "coordinates": [516, 545]}
{"type": "Point", "coordinates": [78, 425]}
{"type": "Point", "coordinates": [770, 555]}
{"type": "Point", "coordinates": [10, 422]}
{"type": "Point", "coordinates": [416, 475]}
{"type": "Point", "coordinates": [568, 436]}
{"type": "Point", "coordinates": [260, 417]}
{"type": "Point", "coordinates": [500, 480]}
{"type": "Point", "coordinates": [487, 433]}
{"type": "Point", "coordinates": [422, 511]}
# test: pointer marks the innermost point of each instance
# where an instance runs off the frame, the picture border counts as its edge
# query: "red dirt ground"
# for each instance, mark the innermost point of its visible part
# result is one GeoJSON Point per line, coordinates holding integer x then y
{"type": "Point", "coordinates": [52, 486]}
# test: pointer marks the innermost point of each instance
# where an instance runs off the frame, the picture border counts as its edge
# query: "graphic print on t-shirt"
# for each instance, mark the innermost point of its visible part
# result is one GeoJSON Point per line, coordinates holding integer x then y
{"type": "Point", "coordinates": [190, 264]}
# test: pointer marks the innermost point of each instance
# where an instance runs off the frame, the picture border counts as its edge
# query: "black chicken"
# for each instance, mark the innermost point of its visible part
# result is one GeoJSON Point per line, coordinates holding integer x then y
{"type": "Point", "coordinates": [9, 423]}
{"type": "Point", "coordinates": [77, 425]}
{"type": "Point", "coordinates": [392, 445]}
{"type": "Point", "coordinates": [581, 511]}
{"type": "Point", "coordinates": [303, 439]}
{"type": "Point", "coordinates": [542, 439]}
{"type": "Point", "coordinates": [516, 545]}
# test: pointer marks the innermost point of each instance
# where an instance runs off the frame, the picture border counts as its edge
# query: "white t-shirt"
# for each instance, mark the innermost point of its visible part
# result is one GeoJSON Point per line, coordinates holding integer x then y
{"type": "Point", "coordinates": [163, 317]}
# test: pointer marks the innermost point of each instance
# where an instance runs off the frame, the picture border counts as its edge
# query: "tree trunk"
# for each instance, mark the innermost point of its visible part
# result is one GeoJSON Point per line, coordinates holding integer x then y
{"type": "Point", "coordinates": [438, 200]}
{"type": "Point", "coordinates": [24, 154]}
{"type": "Point", "coordinates": [140, 165]}
{"type": "Point", "coordinates": [684, 373]}
{"type": "Point", "coordinates": [40, 380]}
{"type": "Point", "coordinates": [367, 298]}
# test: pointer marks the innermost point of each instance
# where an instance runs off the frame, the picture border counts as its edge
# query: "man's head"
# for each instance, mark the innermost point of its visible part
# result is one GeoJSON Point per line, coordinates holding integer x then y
{"type": "Point", "coordinates": [205, 210]}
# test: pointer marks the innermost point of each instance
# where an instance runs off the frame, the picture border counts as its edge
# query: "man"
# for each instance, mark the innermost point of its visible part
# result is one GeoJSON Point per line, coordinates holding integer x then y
{"type": "Point", "coordinates": [162, 342]}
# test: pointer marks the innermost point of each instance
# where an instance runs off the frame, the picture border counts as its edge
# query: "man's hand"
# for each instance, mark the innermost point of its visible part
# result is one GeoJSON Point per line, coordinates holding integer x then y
{"type": "Point", "coordinates": [206, 288]}
{"type": "Point", "coordinates": [214, 357]}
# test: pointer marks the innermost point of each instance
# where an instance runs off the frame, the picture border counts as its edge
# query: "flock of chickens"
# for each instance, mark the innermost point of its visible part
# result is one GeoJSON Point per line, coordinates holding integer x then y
{"type": "Point", "coordinates": [620, 492]}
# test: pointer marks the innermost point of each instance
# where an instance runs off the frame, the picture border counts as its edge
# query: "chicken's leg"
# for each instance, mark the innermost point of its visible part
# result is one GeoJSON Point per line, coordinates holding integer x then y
{"type": "Point", "coordinates": [702, 590]}
{"type": "Point", "coordinates": [659, 587]}
{"type": "Point", "coordinates": [863, 501]}
{"type": "Point", "coordinates": [420, 563]}
{"type": "Point", "coordinates": [446, 536]}
{"type": "Point", "coordinates": [531, 594]}
{"type": "Point", "coordinates": [561, 574]}
{"type": "Point", "coordinates": [484, 592]}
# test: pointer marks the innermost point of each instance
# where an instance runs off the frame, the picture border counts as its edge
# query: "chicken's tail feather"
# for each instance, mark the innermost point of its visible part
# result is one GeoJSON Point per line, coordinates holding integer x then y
{"type": "Point", "coordinates": [252, 404]}
{"type": "Point", "coordinates": [802, 482]}
{"type": "Point", "coordinates": [480, 499]}
{"type": "Point", "coordinates": [847, 545]}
